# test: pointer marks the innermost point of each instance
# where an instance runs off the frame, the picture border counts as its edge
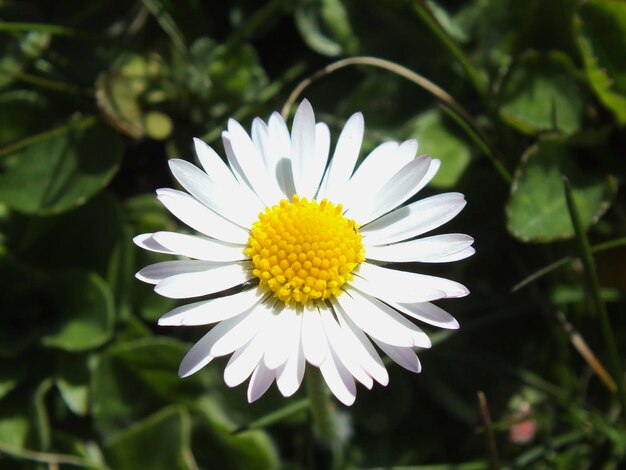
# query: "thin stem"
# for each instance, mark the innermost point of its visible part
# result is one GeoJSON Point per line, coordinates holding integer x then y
{"type": "Point", "coordinates": [604, 246]}
{"type": "Point", "coordinates": [446, 99]}
{"type": "Point", "coordinates": [321, 407]}
{"type": "Point", "coordinates": [490, 151]}
{"type": "Point", "coordinates": [167, 23]}
{"type": "Point", "coordinates": [54, 29]}
{"type": "Point", "coordinates": [594, 284]}
{"type": "Point", "coordinates": [475, 77]}
{"type": "Point", "coordinates": [45, 457]}
{"type": "Point", "coordinates": [47, 83]}
{"type": "Point", "coordinates": [32, 139]}
{"type": "Point", "coordinates": [585, 351]}
{"type": "Point", "coordinates": [491, 440]}
{"type": "Point", "coordinates": [276, 416]}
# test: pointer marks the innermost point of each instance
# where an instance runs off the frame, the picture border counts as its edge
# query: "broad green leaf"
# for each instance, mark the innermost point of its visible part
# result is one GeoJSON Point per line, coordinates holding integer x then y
{"type": "Point", "coordinates": [536, 210]}
{"type": "Point", "coordinates": [160, 441]}
{"type": "Point", "coordinates": [72, 380]}
{"type": "Point", "coordinates": [85, 309]}
{"type": "Point", "coordinates": [61, 169]}
{"type": "Point", "coordinates": [439, 141]}
{"type": "Point", "coordinates": [86, 237]}
{"type": "Point", "coordinates": [29, 113]}
{"type": "Point", "coordinates": [15, 426]}
{"type": "Point", "coordinates": [24, 303]}
{"type": "Point", "coordinates": [17, 53]}
{"type": "Point", "coordinates": [601, 27]}
{"type": "Point", "coordinates": [325, 26]}
{"type": "Point", "coordinates": [214, 441]}
{"type": "Point", "coordinates": [541, 92]}
{"type": "Point", "coordinates": [134, 379]}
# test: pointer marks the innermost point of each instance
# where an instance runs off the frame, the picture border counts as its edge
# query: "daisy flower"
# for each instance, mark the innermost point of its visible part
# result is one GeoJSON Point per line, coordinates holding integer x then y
{"type": "Point", "coordinates": [296, 255]}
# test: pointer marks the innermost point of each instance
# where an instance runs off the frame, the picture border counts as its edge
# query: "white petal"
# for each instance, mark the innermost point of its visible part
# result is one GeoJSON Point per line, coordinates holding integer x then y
{"type": "Point", "coordinates": [146, 242]}
{"type": "Point", "coordinates": [286, 327]}
{"type": "Point", "coordinates": [338, 379]}
{"type": "Point", "coordinates": [155, 273]}
{"type": "Point", "coordinates": [379, 160]}
{"type": "Point", "coordinates": [303, 151]}
{"type": "Point", "coordinates": [369, 358]}
{"type": "Point", "coordinates": [390, 319]}
{"type": "Point", "coordinates": [345, 157]}
{"type": "Point", "coordinates": [244, 360]}
{"type": "Point", "coordinates": [404, 357]}
{"type": "Point", "coordinates": [261, 138]}
{"type": "Point", "coordinates": [322, 147]}
{"type": "Point", "coordinates": [413, 220]}
{"type": "Point", "coordinates": [213, 165]}
{"type": "Point", "coordinates": [195, 284]}
{"type": "Point", "coordinates": [369, 317]}
{"type": "Point", "coordinates": [214, 310]}
{"type": "Point", "coordinates": [281, 148]}
{"type": "Point", "coordinates": [260, 382]}
{"type": "Point", "coordinates": [291, 373]}
{"type": "Point", "coordinates": [313, 337]}
{"type": "Point", "coordinates": [248, 326]}
{"type": "Point", "coordinates": [377, 169]}
{"type": "Point", "coordinates": [199, 247]}
{"type": "Point", "coordinates": [196, 215]}
{"type": "Point", "coordinates": [402, 286]}
{"type": "Point", "coordinates": [234, 163]}
{"type": "Point", "coordinates": [340, 345]}
{"type": "Point", "coordinates": [230, 202]}
{"type": "Point", "coordinates": [200, 354]}
{"type": "Point", "coordinates": [399, 188]}
{"type": "Point", "coordinates": [251, 163]}
{"type": "Point", "coordinates": [428, 313]}
{"type": "Point", "coordinates": [435, 163]}
{"type": "Point", "coordinates": [435, 249]}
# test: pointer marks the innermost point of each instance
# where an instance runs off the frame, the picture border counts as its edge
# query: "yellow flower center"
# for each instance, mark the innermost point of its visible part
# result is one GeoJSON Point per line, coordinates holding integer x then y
{"type": "Point", "coordinates": [304, 250]}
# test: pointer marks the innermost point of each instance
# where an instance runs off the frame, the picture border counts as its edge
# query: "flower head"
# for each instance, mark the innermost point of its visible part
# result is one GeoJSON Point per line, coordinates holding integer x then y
{"type": "Point", "coordinates": [292, 251]}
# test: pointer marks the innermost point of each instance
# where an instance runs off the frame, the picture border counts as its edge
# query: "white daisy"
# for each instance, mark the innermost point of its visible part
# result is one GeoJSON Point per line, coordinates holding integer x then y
{"type": "Point", "coordinates": [291, 250]}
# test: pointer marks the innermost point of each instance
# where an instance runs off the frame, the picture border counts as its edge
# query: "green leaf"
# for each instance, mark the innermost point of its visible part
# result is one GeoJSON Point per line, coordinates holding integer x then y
{"type": "Point", "coordinates": [536, 209]}
{"type": "Point", "coordinates": [214, 440]}
{"type": "Point", "coordinates": [61, 169]}
{"type": "Point", "coordinates": [325, 27]}
{"type": "Point", "coordinates": [160, 441]}
{"type": "Point", "coordinates": [601, 27]}
{"type": "Point", "coordinates": [84, 238]}
{"type": "Point", "coordinates": [17, 53]}
{"type": "Point", "coordinates": [439, 141]}
{"type": "Point", "coordinates": [8, 379]}
{"type": "Point", "coordinates": [29, 113]}
{"type": "Point", "coordinates": [135, 379]}
{"type": "Point", "coordinates": [541, 92]}
{"type": "Point", "coordinates": [15, 427]}
{"type": "Point", "coordinates": [72, 380]}
{"type": "Point", "coordinates": [23, 292]}
{"type": "Point", "coordinates": [85, 304]}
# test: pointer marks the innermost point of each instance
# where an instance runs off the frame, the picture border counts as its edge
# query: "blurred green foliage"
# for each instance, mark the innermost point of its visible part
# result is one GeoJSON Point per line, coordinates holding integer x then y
{"type": "Point", "coordinates": [96, 95]}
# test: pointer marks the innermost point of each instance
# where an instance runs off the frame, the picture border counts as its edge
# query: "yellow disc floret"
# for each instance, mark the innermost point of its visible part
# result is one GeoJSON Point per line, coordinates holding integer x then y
{"type": "Point", "coordinates": [304, 250]}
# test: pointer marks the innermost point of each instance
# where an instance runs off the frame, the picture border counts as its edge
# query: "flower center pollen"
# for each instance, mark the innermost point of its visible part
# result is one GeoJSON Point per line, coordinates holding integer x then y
{"type": "Point", "coordinates": [304, 250]}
